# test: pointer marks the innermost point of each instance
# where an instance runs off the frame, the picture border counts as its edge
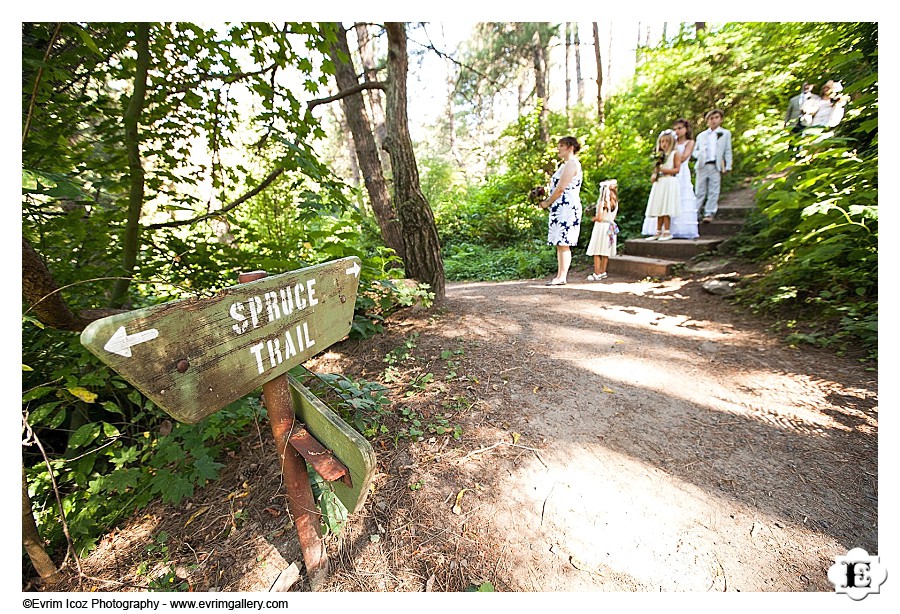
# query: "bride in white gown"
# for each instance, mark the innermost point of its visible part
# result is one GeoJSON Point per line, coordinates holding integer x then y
{"type": "Point", "coordinates": [684, 225]}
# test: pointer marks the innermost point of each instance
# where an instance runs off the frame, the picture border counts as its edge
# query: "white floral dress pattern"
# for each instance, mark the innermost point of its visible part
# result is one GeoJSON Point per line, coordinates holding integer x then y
{"type": "Point", "coordinates": [565, 212]}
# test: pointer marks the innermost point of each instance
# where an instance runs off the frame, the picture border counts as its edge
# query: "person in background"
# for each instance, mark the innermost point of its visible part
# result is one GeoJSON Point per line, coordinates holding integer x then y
{"type": "Point", "coordinates": [564, 203]}
{"type": "Point", "coordinates": [665, 194]}
{"type": "Point", "coordinates": [684, 225]}
{"type": "Point", "coordinates": [713, 155]}
{"type": "Point", "coordinates": [828, 109]}
{"type": "Point", "coordinates": [795, 119]}
{"type": "Point", "coordinates": [603, 238]}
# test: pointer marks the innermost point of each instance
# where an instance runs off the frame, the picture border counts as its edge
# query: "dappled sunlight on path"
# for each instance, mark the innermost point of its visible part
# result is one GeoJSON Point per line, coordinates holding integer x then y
{"type": "Point", "coordinates": [681, 446]}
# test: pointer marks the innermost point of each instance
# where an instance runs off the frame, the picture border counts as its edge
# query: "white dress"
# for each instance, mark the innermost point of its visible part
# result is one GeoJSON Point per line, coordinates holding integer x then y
{"type": "Point", "coordinates": [603, 237]}
{"type": "Point", "coordinates": [683, 225]}
{"type": "Point", "coordinates": [665, 198]}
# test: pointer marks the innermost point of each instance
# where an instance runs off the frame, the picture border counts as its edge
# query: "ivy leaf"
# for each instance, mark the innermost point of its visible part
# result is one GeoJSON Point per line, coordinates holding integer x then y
{"type": "Point", "coordinates": [123, 479]}
{"type": "Point", "coordinates": [112, 408]}
{"type": "Point", "coordinates": [84, 435]}
{"type": "Point", "coordinates": [89, 41]}
{"type": "Point", "coordinates": [83, 393]}
{"type": "Point", "coordinates": [35, 393]}
{"type": "Point", "coordinates": [35, 417]}
{"type": "Point", "coordinates": [206, 469]}
{"type": "Point", "coordinates": [173, 487]}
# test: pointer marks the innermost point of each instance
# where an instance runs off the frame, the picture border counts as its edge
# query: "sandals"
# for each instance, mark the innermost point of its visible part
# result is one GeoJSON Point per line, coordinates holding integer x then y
{"type": "Point", "coordinates": [596, 276]}
{"type": "Point", "coordinates": [556, 282]}
{"type": "Point", "coordinates": [666, 236]}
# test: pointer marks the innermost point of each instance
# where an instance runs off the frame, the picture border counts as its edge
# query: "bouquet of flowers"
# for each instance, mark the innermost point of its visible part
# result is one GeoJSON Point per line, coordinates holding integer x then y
{"type": "Point", "coordinates": [658, 159]}
{"type": "Point", "coordinates": [536, 195]}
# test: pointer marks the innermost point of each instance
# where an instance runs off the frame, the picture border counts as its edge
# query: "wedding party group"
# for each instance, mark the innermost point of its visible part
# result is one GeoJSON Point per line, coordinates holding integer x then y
{"type": "Point", "coordinates": [672, 208]}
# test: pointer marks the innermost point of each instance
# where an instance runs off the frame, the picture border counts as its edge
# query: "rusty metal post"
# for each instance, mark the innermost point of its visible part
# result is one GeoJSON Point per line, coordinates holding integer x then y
{"type": "Point", "coordinates": [280, 408]}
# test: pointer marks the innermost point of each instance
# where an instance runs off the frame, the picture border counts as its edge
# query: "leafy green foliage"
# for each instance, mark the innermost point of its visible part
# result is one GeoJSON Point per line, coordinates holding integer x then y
{"type": "Point", "coordinates": [107, 469]}
{"type": "Point", "coordinates": [818, 216]}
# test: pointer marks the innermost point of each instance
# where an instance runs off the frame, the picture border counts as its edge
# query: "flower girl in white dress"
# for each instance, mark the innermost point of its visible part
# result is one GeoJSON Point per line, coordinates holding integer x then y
{"type": "Point", "coordinates": [665, 195]}
{"type": "Point", "coordinates": [603, 238]}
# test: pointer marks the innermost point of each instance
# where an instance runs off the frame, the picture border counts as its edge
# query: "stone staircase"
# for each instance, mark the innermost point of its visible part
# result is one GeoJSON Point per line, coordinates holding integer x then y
{"type": "Point", "coordinates": [641, 258]}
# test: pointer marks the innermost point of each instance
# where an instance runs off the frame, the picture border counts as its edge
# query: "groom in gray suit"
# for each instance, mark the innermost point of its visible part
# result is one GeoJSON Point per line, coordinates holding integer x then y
{"type": "Point", "coordinates": [713, 155]}
{"type": "Point", "coordinates": [793, 117]}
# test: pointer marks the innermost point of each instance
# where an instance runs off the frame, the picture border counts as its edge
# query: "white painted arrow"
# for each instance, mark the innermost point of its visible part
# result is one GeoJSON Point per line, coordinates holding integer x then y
{"type": "Point", "coordinates": [121, 343]}
{"type": "Point", "coordinates": [354, 270]}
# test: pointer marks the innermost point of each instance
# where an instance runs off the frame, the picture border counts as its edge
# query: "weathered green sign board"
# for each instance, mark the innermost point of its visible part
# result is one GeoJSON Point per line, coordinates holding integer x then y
{"type": "Point", "coordinates": [348, 446]}
{"type": "Point", "coordinates": [193, 357]}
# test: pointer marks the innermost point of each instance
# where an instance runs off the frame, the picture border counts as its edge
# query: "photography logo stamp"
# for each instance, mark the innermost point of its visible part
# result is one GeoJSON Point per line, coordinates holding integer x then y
{"type": "Point", "coordinates": [857, 574]}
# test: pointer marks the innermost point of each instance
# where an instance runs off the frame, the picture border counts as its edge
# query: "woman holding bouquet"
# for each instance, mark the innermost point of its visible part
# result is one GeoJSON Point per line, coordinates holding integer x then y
{"type": "Point", "coordinates": [564, 203]}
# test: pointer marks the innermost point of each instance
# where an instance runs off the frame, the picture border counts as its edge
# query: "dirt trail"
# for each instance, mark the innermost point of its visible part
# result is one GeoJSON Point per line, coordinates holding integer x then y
{"type": "Point", "coordinates": [622, 435]}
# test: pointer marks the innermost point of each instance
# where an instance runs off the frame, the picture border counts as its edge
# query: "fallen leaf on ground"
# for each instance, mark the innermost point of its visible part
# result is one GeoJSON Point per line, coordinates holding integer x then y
{"type": "Point", "coordinates": [457, 509]}
{"type": "Point", "coordinates": [202, 510]}
{"type": "Point", "coordinates": [606, 389]}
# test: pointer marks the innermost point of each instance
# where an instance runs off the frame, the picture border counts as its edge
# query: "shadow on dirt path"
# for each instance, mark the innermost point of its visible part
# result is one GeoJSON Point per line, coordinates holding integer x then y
{"type": "Point", "coordinates": [615, 436]}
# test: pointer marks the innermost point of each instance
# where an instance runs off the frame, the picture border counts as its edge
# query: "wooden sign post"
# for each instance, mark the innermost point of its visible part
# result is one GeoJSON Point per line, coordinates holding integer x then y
{"type": "Point", "coordinates": [195, 356]}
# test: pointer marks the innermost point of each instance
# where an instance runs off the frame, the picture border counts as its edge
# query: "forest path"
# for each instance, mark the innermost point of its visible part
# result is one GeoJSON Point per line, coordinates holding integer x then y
{"type": "Point", "coordinates": [624, 435]}
{"type": "Point", "coordinates": [682, 446]}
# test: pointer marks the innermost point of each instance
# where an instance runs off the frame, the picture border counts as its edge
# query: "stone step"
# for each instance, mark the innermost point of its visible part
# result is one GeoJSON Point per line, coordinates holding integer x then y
{"type": "Point", "coordinates": [640, 267]}
{"type": "Point", "coordinates": [720, 228]}
{"type": "Point", "coordinates": [736, 211]}
{"type": "Point", "coordinates": [676, 249]}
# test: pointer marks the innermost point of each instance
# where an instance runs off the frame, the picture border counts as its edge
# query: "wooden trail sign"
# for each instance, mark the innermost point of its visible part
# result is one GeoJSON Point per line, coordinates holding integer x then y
{"type": "Point", "coordinates": [194, 356]}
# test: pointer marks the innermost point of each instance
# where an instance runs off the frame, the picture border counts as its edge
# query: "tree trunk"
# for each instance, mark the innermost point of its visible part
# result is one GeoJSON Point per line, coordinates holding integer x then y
{"type": "Point", "coordinates": [699, 26]}
{"type": "Point", "coordinates": [32, 541]}
{"type": "Point", "coordinates": [370, 74]}
{"type": "Point", "coordinates": [568, 79]}
{"type": "Point", "coordinates": [42, 294]}
{"type": "Point", "coordinates": [131, 241]}
{"type": "Point", "coordinates": [579, 82]}
{"type": "Point", "coordinates": [423, 249]}
{"type": "Point", "coordinates": [599, 73]}
{"type": "Point", "coordinates": [353, 158]}
{"type": "Point", "coordinates": [366, 148]}
{"type": "Point", "coordinates": [451, 128]}
{"type": "Point", "coordinates": [540, 87]}
{"type": "Point", "coordinates": [46, 303]}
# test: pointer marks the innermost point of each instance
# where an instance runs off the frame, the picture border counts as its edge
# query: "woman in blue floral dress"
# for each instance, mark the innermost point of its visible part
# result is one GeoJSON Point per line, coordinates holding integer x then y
{"type": "Point", "coordinates": [564, 203]}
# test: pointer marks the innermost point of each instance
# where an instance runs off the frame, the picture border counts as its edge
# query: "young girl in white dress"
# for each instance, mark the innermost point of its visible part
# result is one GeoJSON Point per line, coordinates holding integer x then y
{"type": "Point", "coordinates": [665, 195]}
{"type": "Point", "coordinates": [684, 225]}
{"type": "Point", "coordinates": [603, 238]}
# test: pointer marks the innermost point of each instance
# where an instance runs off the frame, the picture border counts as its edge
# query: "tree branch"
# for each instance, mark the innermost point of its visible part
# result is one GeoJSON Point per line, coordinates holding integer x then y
{"type": "Point", "coordinates": [368, 85]}
{"type": "Point", "coordinates": [225, 78]}
{"type": "Point", "coordinates": [430, 46]}
{"type": "Point", "coordinates": [37, 82]}
{"type": "Point", "coordinates": [42, 294]}
{"type": "Point", "coordinates": [212, 214]}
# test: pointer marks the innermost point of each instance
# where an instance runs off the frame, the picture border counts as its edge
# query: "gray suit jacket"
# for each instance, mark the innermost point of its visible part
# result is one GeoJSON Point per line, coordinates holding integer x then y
{"type": "Point", "coordinates": [793, 110]}
{"type": "Point", "coordinates": [723, 149]}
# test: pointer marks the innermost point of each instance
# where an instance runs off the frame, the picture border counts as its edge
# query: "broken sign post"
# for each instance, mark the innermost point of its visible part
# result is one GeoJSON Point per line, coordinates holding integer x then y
{"type": "Point", "coordinates": [195, 356]}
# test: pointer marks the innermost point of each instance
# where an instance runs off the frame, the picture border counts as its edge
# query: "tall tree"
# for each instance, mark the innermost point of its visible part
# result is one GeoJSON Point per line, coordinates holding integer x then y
{"type": "Point", "coordinates": [131, 121]}
{"type": "Point", "coordinates": [421, 244]}
{"type": "Point", "coordinates": [370, 75]}
{"type": "Point", "coordinates": [599, 73]}
{"type": "Point", "coordinates": [568, 77]}
{"type": "Point", "coordinates": [366, 147]}
{"type": "Point", "coordinates": [579, 81]}
{"type": "Point", "coordinates": [541, 77]}
{"type": "Point", "coordinates": [499, 55]}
